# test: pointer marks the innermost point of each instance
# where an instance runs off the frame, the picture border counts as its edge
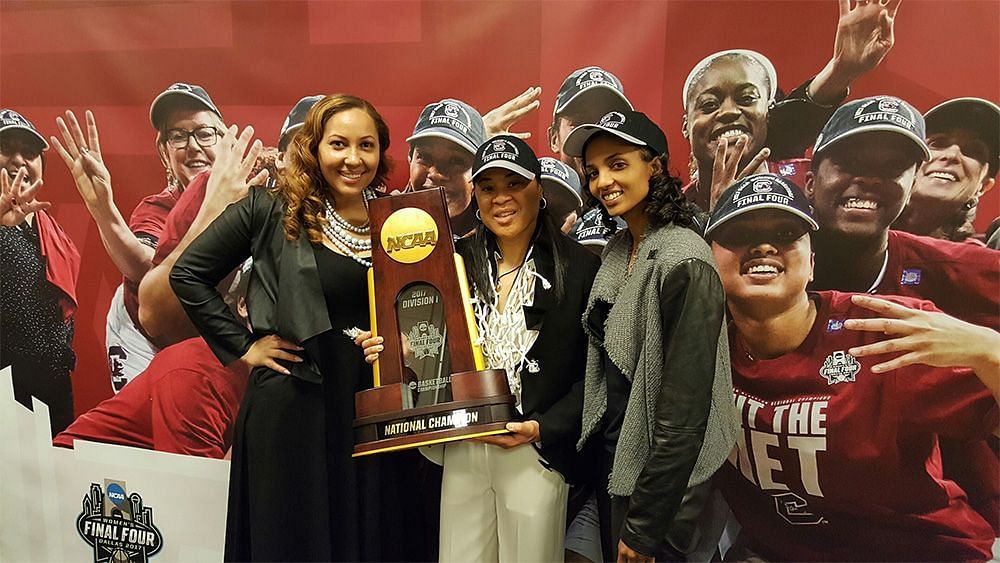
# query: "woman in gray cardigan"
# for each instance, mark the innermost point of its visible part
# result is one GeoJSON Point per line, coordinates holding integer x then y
{"type": "Point", "coordinates": [658, 390]}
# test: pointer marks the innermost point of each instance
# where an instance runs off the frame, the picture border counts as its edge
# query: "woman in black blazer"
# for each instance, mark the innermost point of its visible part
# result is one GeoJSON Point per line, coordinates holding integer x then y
{"type": "Point", "coordinates": [295, 494]}
{"type": "Point", "coordinates": [504, 497]}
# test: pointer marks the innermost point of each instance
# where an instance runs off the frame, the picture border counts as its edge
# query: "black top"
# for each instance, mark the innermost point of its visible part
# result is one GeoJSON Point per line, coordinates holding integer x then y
{"type": "Point", "coordinates": [284, 295]}
{"type": "Point", "coordinates": [619, 388]}
{"type": "Point", "coordinates": [345, 289]}
{"type": "Point", "coordinates": [33, 327]}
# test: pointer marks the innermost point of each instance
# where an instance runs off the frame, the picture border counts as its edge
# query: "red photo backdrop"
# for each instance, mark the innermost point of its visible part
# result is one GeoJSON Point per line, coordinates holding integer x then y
{"type": "Point", "coordinates": [257, 58]}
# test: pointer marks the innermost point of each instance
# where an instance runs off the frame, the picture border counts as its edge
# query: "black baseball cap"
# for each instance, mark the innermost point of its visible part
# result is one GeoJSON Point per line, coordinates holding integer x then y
{"type": "Point", "coordinates": [877, 113]}
{"type": "Point", "coordinates": [450, 119]}
{"type": "Point", "coordinates": [509, 152]}
{"type": "Point", "coordinates": [591, 79]}
{"type": "Point", "coordinates": [10, 120]}
{"type": "Point", "coordinates": [630, 126]}
{"type": "Point", "coordinates": [976, 115]}
{"type": "Point", "coordinates": [557, 175]}
{"type": "Point", "coordinates": [295, 119]}
{"type": "Point", "coordinates": [157, 110]}
{"type": "Point", "coordinates": [761, 191]}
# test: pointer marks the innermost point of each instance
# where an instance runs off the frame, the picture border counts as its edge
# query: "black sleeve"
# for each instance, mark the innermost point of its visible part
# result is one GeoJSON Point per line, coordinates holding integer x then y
{"type": "Point", "coordinates": [794, 123]}
{"type": "Point", "coordinates": [225, 244]}
{"type": "Point", "coordinates": [692, 306]}
{"type": "Point", "coordinates": [563, 420]}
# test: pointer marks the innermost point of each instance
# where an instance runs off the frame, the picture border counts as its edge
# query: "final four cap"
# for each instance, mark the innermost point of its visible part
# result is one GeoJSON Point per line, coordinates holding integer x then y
{"type": "Point", "coordinates": [10, 120]}
{"type": "Point", "coordinates": [630, 126]}
{"type": "Point", "coordinates": [878, 113]}
{"type": "Point", "coordinates": [556, 174]}
{"type": "Point", "coordinates": [509, 152]}
{"type": "Point", "coordinates": [158, 109]}
{"type": "Point", "coordinates": [591, 79]}
{"type": "Point", "coordinates": [295, 119]}
{"type": "Point", "coordinates": [760, 191]}
{"type": "Point", "coordinates": [590, 229]}
{"type": "Point", "coordinates": [978, 116]}
{"type": "Point", "coordinates": [453, 120]}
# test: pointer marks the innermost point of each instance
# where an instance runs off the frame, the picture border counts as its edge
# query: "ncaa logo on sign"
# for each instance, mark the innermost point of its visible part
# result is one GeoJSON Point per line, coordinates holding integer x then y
{"type": "Point", "coordinates": [119, 531]}
{"type": "Point", "coordinates": [890, 105]}
{"type": "Point", "coordinates": [116, 494]}
{"type": "Point", "coordinates": [613, 120]}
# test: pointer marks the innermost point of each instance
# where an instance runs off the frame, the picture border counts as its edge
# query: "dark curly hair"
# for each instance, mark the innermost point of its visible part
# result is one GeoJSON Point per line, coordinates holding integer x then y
{"type": "Point", "coordinates": [665, 203]}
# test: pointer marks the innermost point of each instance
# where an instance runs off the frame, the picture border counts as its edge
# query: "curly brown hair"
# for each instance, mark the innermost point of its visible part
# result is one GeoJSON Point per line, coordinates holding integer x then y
{"type": "Point", "coordinates": [302, 186]}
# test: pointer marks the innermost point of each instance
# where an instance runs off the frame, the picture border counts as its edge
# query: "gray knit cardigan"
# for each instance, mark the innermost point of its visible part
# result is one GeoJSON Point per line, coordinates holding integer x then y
{"type": "Point", "coordinates": [634, 342]}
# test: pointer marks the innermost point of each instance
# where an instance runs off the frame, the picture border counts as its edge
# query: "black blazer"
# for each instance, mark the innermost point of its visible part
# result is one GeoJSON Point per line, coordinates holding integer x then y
{"type": "Point", "coordinates": [554, 394]}
{"type": "Point", "coordinates": [284, 295]}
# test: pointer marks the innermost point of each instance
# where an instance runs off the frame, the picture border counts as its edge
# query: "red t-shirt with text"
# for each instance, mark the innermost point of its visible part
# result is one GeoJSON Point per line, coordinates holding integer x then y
{"type": "Point", "coordinates": [837, 463]}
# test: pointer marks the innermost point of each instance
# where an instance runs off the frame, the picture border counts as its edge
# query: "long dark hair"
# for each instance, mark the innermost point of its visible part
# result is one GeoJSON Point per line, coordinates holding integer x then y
{"type": "Point", "coordinates": [547, 235]}
{"type": "Point", "coordinates": [302, 185]}
{"type": "Point", "coordinates": [665, 203]}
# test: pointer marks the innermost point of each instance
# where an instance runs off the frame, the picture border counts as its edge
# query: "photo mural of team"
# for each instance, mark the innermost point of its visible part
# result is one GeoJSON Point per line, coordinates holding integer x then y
{"type": "Point", "coordinates": [804, 334]}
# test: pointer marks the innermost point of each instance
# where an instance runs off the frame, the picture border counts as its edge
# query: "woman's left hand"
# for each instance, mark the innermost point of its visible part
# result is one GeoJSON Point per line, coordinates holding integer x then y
{"type": "Point", "coordinates": [521, 433]}
{"type": "Point", "coordinates": [864, 34]}
{"type": "Point", "coordinates": [235, 158]}
{"type": "Point", "coordinates": [864, 37]}
{"type": "Point", "coordinates": [628, 555]}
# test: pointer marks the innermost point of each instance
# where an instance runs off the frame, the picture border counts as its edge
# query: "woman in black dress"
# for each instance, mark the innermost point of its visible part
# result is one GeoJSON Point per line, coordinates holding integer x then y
{"type": "Point", "coordinates": [295, 493]}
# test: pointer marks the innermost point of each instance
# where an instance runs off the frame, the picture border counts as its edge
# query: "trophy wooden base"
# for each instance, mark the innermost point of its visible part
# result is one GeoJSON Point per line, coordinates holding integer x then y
{"type": "Point", "coordinates": [482, 406]}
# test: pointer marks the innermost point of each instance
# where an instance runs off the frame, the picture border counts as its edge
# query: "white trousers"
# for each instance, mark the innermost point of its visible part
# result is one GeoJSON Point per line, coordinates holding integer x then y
{"type": "Point", "coordinates": [500, 505]}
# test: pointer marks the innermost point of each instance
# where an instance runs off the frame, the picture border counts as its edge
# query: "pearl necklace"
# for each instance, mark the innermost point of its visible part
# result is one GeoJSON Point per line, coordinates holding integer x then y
{"type": "Point", "coordinates": [339, 231]}
{"type": "Point", "coordinates": [344, 223]}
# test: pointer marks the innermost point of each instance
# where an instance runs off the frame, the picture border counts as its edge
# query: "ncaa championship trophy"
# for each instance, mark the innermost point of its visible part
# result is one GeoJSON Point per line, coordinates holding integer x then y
{"type": "Point", "coordinates": [431, 385]}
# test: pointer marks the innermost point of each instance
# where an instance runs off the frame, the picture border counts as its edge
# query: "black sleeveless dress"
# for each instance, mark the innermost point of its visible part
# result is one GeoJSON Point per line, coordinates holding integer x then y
{"type": "Point", "coordinates": [295, 492]}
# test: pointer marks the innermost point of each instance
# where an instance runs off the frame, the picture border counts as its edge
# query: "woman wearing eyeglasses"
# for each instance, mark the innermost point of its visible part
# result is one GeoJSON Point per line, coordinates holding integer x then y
{"type": "Point", "coordinates": [189, 128]}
